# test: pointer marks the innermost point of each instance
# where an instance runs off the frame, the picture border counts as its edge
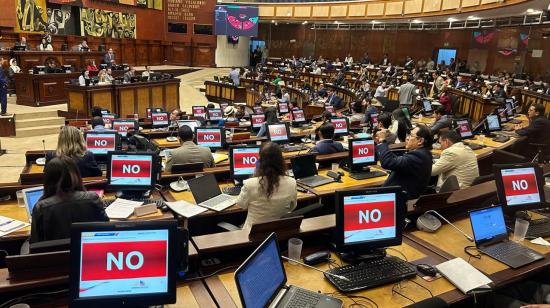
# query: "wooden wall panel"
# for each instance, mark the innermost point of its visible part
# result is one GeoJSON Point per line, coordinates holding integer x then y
{"type": "Point", "coordinates": [171, 98]}
{"type": "Point", "coordinates": [394, 8]}
{"type": "Point", "coordinates": [103, 99]}
{"type": "Point", "coordinates": [450, 4]}
{"type": "Point", "coordinates": [357, 10]}
{"type": "Point", "coordinates": [127, 102]}
{"type": "Point", "coordinates": [375, 9]}
{"type": "Point", "coordinates": [266, 11]}
{"type": "Point", "coordinates": [432, 6]}
{"type": "Point", "coordinates": [302, 11]}
{"type": "Point", "coordinates": [283, 11]}
{"type": "Point", "coordinates": [413, 7]}
{"type": "Point", "coordinates": [338, 10]}
{"type": "Point", "coordinates": [320, 11]}
{"type": "Point", "coordinates": [489, 1]}
{"type": "Point", "coordinates": [143, 99]}
{"type": "Point", "coordinates": [467, 3]}
{"type": "Point", "coordinates": [77, 99]}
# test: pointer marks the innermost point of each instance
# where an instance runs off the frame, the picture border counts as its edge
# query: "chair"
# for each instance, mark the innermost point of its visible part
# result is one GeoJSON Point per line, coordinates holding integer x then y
{"type": "Point", "coordinates": [187, 168]}
{"type": "Point", "coordinates": [77, 123]}
{"type": "Point", "coordinates": [433, 302]}
{"type": "Point", "coordinates": [505, 157]}
{"type": "Point", "coordinates": [50, 246]}
{"type": "Point", "coordinates": [483, 179]}
{"type": "Point", "coordinates": [450, 184]}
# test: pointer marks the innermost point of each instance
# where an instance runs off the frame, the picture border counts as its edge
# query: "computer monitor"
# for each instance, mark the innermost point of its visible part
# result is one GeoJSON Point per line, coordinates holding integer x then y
{"type": "Point", "coordinates": [341, 126]}
{"type": "Point", "coordinates": [279, 133]}
{"type": "Point", "coordinates": [258, 110]}
{"type": "Point", "coordinates": [242, 161]}
{"type": "Point", "coordinates": [149, 111]}
{"type": "Point", "coordinates": [427, 106]}
{"type": "Point", "coordinates": [283, 107]}
{"type": "Point", "coordinates": [210, 137]}
{"type": "Point", "coordinates": [199, 111]}
{"type": "Point", "coordinates": [190, 123]}
{"type": "Point", "coordinates": [373, 120]}
{"type": "Point", "coordinates": [369, 219]}
{"type": "Point", "coordinates": [122, 126]}
{"type": "Point", "coordinates": [492, 123]}
{"type": "Point", "coordinates": [131, 171]}
{"type": "Point", "coordinates": [501, 111]}
{"type": "Point", "coordinates": [257, 120]}
{"type": "Point", "coordinates": [215, 114]}
{"type": "Point", "coordinates": [520, 186]}
{"type": "Point", "coordinates": [406, 112]}
{"type": "Point", "coordinates": [510, 107]}
{"type": "Point", "coordinates": [108, 118]}
{"type": "Point", "coordinates": [298, 116]}
{"type": "Point", "coordinates": [160, 119]}
{"type": "Point", "coordinates": [123, 264]}
{"type": "Point", "coordinates": [464, 128]}
{"type": "Point", "coordinates": [361, 153]}
{"type": "Point", "coordinates": [100, 143]}
{"type": "Point", "coordinates": [39, 69]}
{"type": "Point", "coordinates": [223, 105]}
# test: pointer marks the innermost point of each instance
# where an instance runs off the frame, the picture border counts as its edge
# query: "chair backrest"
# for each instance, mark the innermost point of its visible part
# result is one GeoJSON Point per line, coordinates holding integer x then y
{"type": "Point", "coordinates": [186, 168]}
{"type": "Point", "coordinates": [505, 157]}
{"type": "Point", "coordinates": [304, 210]}
{"type": "Point", "coordinates": [231, 124]}
{"type": "Point", "coordinates": [77, 123]}
{"type": "Point", "coordinates": [50, 246]}
{"type": "Point", "coordinates": [450, 184]}
{"type": "Point", "coordinates": [290, 224]}
{"type": "Point", "coordinates": [241, 136]}
{"type": "Point", "coordinates": [483, 179]}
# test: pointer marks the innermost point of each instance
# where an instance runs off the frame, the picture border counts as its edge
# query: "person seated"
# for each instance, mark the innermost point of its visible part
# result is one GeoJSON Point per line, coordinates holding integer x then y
{"type": "Point", "coordinates": [147, 73]}
{"type": "Point", "coordinates": [229, 115]}
{"type": "Point", "coordinates": [130, 74]}
{"type": "Point", "coordinates": [334, 100]}
{"type": "Point", "coordinates": [241, 112]}
{"type": "Point", "coordinates": [23, 43]}
{"type": "Point", "coordinates": [327, 145]}
{"type": "Point", "coordinates": [460, 84]}
{"type": "Point", "coordinates": [401, 125]}
{"type": "Point", "coordinates": [175, 115]}
{"type": "Point", "coordinates": [446, 100]}
{"type": "Point", "coordinates": [189, 152]}
{"type": "Point", "coordinates": [109, 75]}
{"type": "Point", "coordinates": [51, 67]}
{"type": "Point", "coordinates": [101, 76]}
{"type": "Point", "coordinates": [270, 194]}
{"type": "Point", "coordinates": [14, 68]}
{"type": "Point", "coordinates": [384, 123]}
{"type": "Point", "coordinates": [357, 115]}
{"type": "Point", "coordinates": [83, 77]}
{"type": "Point", "coordinates": [44, 45]}
{"type": "Point", "coordinates": [83, 46]}
{"type": "Point", "coordinates": [285, 97]}
{"type": "Point", "coordinates": [91, 66]}
{"type": "Point", "coordinates": [270, 118]}
{"type": "Point", "coordinates": [441, 120]}
{"type": "Point", "coordinates": [498, 93]}
{"type": "Point", "coordinates": [109, 58]}
{"type": "Point", "coordinates": [64, 201]}
{"type": "Point", "coordinates": [456, 159]}
{"type": "Point", "coordinates": [234, 76]}
{"type": "Point", "coordinates": [413, 170]}
{"type": "Point", "coordinates": [70, 143]}
{"type": "Point", "coordinates": [537, 132]}
{"type": "Point", "coordinates": [322, 92]}
{"type": "Point", "coordinates": [98, 125]}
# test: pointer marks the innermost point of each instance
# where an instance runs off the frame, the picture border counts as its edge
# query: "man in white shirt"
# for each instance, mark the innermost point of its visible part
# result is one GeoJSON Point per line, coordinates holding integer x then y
{"type": "Point", "coordinates": [407, 93]}
{"type": "Point", "coordinates": [147, 73]}
{"type": "Point", "coordinates": [456, 159]}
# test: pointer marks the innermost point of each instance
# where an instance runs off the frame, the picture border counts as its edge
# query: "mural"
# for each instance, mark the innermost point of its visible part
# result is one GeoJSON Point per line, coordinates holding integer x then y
{"type": "Point", "coordinates": [63, 19]}
{"type": "Point", "coordinates": [100, 23]}
{"type": "Point", "coordinates": [30, 16]}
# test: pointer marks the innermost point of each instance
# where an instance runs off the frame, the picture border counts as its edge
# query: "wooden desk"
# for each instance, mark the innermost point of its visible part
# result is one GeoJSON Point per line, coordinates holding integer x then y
{"type": "Point", "coordinates": [29, 59]}
{"type": "Point", "coordinates": [124, 99]}
{"type": "Point", "coordinates": [224, 92]}
{"type": "Point", "coordinates": [42, 89]}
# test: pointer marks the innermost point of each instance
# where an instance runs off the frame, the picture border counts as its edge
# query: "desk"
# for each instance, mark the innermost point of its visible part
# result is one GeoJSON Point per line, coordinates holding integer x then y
{"type": "Point", "coordinates": [42, 89]}
{"type": "Point", "coordinates": [29, 59]}
{"type": "Point", "coordinates": [224, 92]}
{"type": "Point", "coordinates": [124, 99]}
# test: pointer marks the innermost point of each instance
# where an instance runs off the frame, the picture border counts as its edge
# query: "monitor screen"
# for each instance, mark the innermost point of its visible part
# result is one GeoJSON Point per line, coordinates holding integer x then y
{"type": "Point", "coordinates": [503, 115]}
{"type": "Point", "coordinates": [330, 109]}
{"type": "Point", "coordinates": [122, 126]}
{"type": "Point", "coordinates": [278, 132]}
{"type": "Point", "coordinates": [160, 119]}
{"type": "Point", "coordinates": [236, 20]}
{"type": "Point", "coordinates": [520, 186]}
{"type": "Point", "coordinates": [283, 107]}
{"type": "Point", "coordinates": [108, 118]}
{"type": "Point", "coordinates": [298, 115]}
{"type": "Point", "coordinates": [258, 110]}
{"type": "Point", "coordinates": [487, 223]}
{"type": "Point", "coordinates": [104, 111]}
{"type": "Point", "coordinates": [131, 169]}
{"type": "Point", "coordinates": [427, 105]}
{"type": "Point", "coordinates": [257, 120]}
{"type": "Point", "coordinates": [32, 196]}
{"type": "Point", "coordinates": [369, 217]}
{"type": "Point", "coordinates": [493, 122]}
{"type": "Point", "coordinates": [340, 126]}
{"type": "Point", "coordinates": [215, 114]}
{"type": "Point", "coordinates": [101, 143]}
{"type": "Point", "coordinates": [510, 107]}
{"type": "Point", "coordinates": [149, 111]}
{"type": "Point", "coordinates": [223, 105]}
{"type": "Point", "coordinates": [191, 123]}
{"type": "Point", "coordinates": [243, 161]}
{"type": "Point", "coordinates": [261, 275]}
{"type": "Point", "coordinates": [209, 137]}
{"type": "Point", "coordinates": [374, 120]}
{"type": "Point", "coordinates": [362, 152]}
{"type": "Point", "coordinates": [199, 111]}
{"type": "Point", "coordinates": [464, 128]}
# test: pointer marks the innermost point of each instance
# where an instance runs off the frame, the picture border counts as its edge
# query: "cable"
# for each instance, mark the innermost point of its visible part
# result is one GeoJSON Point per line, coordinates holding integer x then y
{"type": "Point", "coordinates": [470, 254]}
{"type": "Point", "coordinates": [402, 254]}
{"type": "Point", "coordinates": [209, 275]}
{"type": "Point", "coordinates": [393, 291]}
{"type": "Point", "coordinates": [423, 287]}
{"type": "Point", "coordinates": [29, 296]}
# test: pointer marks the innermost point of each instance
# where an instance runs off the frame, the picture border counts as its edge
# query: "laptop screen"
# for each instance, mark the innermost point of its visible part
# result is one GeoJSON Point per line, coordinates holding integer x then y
{"type": "Point", "coordinates": [209, 137]}
{"type": "Point", "coordinates": [303, 166]}
{"type": "Point", "coordinates": [160, 119]}
{"type": "Point", "coordinates": [493, 123]}
{"type": "Point", "coordinates": [277, 132]}
{"type": "Point", "coordinates": [32, 196]}
{"type": "Point", "coordinates": [191, 123]}
{"type": "Point", "coordinates": [340, 126]}
{"type": "Point", "coordinates": [464, 128]}
{"type": "Point", "coordinates": [298, 115]}
{"type": "Point", "coordinates": [427, 105]}
{"type": "Point", "coordinates": [261, 276]}
{"type": "Point", "coordinates": [520, 186]}
{"type": "Point", "coordinates": [487, 223]}
{"type": "Point", "coordinates": [204, 187]}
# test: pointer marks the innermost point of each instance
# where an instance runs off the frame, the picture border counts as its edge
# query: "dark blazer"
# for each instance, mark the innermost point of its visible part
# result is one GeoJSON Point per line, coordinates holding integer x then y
{"type": "Point", "coordinates": [335, 101]}
{"type": "Point", "coordinates": [327, 147]}
{"type": "Point", "coordinates": [86, 165]}
{"type": "Point", "coordinates": [52, 217]}
{"type": "Point", "coordinates": [538, 131]}
{"type": "Point", "coordinates": [412, 171]}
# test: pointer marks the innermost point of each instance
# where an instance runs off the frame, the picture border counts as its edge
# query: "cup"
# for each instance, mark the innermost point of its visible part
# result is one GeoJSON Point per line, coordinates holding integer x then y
{"type": "Point", "coordinates": [520, 229]}
{"type": "Point", "coordinates": [335, 167]}
{"type": "Point", "coordinates": [295, 249]}
{"type": "Point", "coordinates": [312, 137]}
{"type": "Point", "coordinates": [20, 199]}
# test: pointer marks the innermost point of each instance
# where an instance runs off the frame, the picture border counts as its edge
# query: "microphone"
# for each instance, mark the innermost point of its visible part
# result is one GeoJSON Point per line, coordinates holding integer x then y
{"type": "Point", "coordinates": [171, 138]}
{"type": "Point", "coordinates": [44, 147]}
{"type": "Point", "coordinates": [450, 223]}
{"type": "Point", "coordinates": [314, 268]}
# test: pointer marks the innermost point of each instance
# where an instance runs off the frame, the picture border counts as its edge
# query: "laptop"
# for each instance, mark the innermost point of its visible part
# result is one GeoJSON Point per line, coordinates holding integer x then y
{"type": "Point", "coordinates": [491, 238]}
{"type": "Point", "coordinates": [305, 171]}
{"type": "Point", "coordinates": [261, 282]}
{"type": "Point", "coordinates": [207, 193]}
{"type": "Point", "coordinates": [31, 197]}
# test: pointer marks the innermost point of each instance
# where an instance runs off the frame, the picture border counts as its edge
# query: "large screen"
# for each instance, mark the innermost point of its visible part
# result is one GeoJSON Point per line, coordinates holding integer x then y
{"type": "Point", "coordinates": [520, 186]}
{"type": "Point", "coordinates": [298, 115]}
{"type": "Point", "coordinates": [362, 152]}
{"type": "Point", "coordinates": [209, 137]}
{"type": "Point", "coordinates": [101, 143]}
{"type": "Point", "coordinates": [123, 263]}
{"type": "Point", "coordinates": [131, 170]}
{"type": "Point", "coordinates": [236, 20]}
{"type": "Point", "coordinates": [369, 217]}
{"type": "Point", "coordinates": [244, 161]}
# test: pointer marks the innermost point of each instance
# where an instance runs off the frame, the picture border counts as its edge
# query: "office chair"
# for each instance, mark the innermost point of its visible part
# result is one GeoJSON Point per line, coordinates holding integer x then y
{"type": "Point", "coordinates": [450, 184]}
{"type": "Point", "coordinates": [483, 178]}
{"type": "Point", "coordinates": [505, 157]}
{"type": "Point", "coordinates": [433, 302]}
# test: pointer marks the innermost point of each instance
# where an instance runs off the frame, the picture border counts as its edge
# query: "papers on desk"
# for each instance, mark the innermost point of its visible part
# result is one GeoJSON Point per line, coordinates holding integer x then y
{"type": "Point", "coordinates": [122, 208]}
{"type": "Point", "coordinates": [540, 241]}
{"type": "Point", "coordinates": [218, 158]}
{"type": "Point", "coordinates": [9, 225]}
{"type": "Point", "coordinates": [463, 275]}
{"type": "Point", "coordinates": [185, 209]}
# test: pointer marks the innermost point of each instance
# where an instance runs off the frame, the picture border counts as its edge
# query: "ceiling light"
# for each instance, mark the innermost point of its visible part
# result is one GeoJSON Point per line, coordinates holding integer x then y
{"type": "Point", "coordinates": [272, 21]}
{"type": "Point", "coordinates": [473, 17]}
{"type": "Point", "coordinates": [450, 19]}
{"type": "Point", "coordinates": [529, 11]}
{"type": "Point", "coordinates": [417, 21]}
{"type": "Point", "coordinates": [374, 22]}
{"type": "Point", "coordinates": [305, 22]}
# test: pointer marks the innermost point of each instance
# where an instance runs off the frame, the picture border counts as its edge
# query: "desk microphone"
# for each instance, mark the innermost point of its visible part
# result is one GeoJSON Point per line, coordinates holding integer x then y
{"type": "Point", "coordinates": [44, 147]}
{"type": "Point", "coordinates": [171, 138]}
{"type": "Point", "coordinates": [429, 223]}
{"type": "Point", "coordinates": [314, 268]}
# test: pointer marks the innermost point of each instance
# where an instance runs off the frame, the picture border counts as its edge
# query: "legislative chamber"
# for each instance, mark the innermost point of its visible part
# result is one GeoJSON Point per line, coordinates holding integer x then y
{"type": "Point", "coordinates": [269, 153]}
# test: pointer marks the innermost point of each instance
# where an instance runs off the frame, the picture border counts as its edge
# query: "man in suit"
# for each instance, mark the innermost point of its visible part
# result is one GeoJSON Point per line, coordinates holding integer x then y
{"type": "Point", "coordinates": [385, 60]}
{"type": "Point", "coordinates": [129, 74]}
{"type": "Point", "coordinates": [460, 84]}
{"type": "Point", "coordinates": [409, 63]}
{"type": "Point", "coordinates": [538, 132]}
{"type": "Point", "coordinates": [411, 171]}
{"type": "Point", "coordinates": [456, 159]}
{"type": "Point", "coordinates": [335, 100]}
{"type": "Point", "coordinates": [109, 58]}
{"type": "Point", "coordinates": [3, 90]}
{"type": "Point", "coordinates": [327, 145]}
{"type": "Point", "coordinates": [189, 152]}
{"type": "Point", "coordinates": [407, 93]}
{"type": "Point", "coordinates": [438, 84]}
{"type": "Point", "coordinates": [441, 120]}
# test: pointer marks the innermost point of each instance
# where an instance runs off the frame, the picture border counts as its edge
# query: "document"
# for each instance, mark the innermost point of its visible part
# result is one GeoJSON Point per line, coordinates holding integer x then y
{"type": "Point", "coordinates": [122, 208]}
{"type": "Point", "coordinates": [9, 225]}
{"type": "Point", "coordinates": [185, 209]}
{"type": "Point", "coordinates": [463, 275]}
{"type": "Point", "coordinates": [218, 158]}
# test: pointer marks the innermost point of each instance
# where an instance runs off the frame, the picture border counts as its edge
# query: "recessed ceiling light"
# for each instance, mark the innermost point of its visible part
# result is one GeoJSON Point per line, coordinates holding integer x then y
{"type": "Point", "coordinates": [305, 22]}
{"type": "Point", "coordinates": [374, 22]}
{"type": "Point", "coordinates": [473, 17]}
{"type": "Point", "coordinates": [417, 21]}
{"type": "Point", "coordinates": [272, 21]}
{"type": "Point", "coordinates": [451, 19]}
{"type": "Point", "coordinates": [530, 10]}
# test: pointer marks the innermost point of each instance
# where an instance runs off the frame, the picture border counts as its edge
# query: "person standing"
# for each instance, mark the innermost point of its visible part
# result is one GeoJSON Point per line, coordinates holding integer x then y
{"type": "Point", "coordinates": [109, 58]}
{"type": "Point", "coordinates": [407, 93]}
{"type": "Point", "coordinates": [3, 90]}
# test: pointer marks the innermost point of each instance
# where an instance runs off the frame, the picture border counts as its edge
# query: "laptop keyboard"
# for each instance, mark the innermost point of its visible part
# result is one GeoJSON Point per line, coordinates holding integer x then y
{"type": "Point", "coordinates": [294, 148]}
{"type": "Point", "coordinates": [303, 298]}
{"type": "Point", "coordinates": [505, 250]}
{"type": "Point", "coordinates": [220, 202]}
{"type": "Point", "coordinates": [159, 203]}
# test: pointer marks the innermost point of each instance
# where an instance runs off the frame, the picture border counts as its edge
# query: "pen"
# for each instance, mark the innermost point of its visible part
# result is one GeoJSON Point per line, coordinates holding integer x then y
{"type": "Point", "coordinates": [6, 223]}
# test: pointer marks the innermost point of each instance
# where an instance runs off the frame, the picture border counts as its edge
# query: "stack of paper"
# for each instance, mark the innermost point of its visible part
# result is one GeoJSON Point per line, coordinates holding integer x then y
{"type": "Point", "coordinates": [463, 275]}
{"type": "Point", "coordinates": [185, 209]}
{"type": "Point", "coordinates": [122, 208]}
{"type": "Point", "coordinates": [218, 158]}
{"type": "Point", "coordinates": [8, 225]}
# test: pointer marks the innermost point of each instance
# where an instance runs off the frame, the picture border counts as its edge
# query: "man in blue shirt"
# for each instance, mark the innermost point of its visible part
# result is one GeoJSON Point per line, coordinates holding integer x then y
{"type": "Point", "coordinates": [327, 145]}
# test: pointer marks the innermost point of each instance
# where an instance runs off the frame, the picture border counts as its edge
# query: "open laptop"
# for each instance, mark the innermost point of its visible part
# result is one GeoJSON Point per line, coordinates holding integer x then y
{"type": "Point", "coordinates": [261, 282]}
{"type": "Point", "coordinates": [31, 197]}
{"type": "Point", "coordinates": [207, 193]}
{"type": "Point", "coordinates": [305, 171]}
{"type": "Point", "coordinates": [491, 238]}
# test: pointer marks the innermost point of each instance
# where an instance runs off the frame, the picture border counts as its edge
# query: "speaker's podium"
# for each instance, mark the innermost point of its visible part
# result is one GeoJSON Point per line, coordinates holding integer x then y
{"type": "Point", "coordinates": [7, 126]}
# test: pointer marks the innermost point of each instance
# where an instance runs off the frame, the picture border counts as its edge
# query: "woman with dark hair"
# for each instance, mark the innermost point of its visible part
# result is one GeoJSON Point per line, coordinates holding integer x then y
{"type": "Point", "coordinates": [270, 193]}
{"type": "Point", "coordinates": [401, 125]}
{"type": "Point", "coordinates": [64, 202]}
{"type": "Point", "coordinates": [270, 118]}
